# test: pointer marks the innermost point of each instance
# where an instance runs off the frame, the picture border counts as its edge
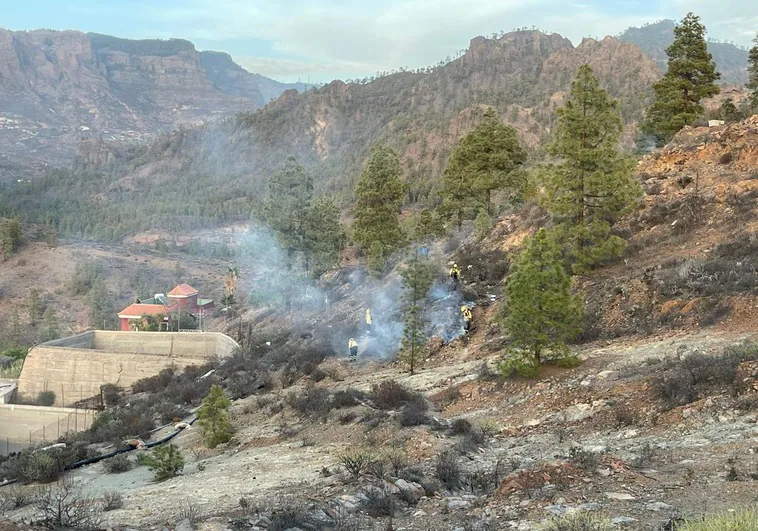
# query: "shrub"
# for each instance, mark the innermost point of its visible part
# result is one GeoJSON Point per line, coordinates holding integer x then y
{"type": "Point", "coordinates": [154, 384]}
{"type": "Point", "coordinates": [397, 459]}
{"type": "Point", "coordinates": [355, 461]}
{"type": "Point", "coordinates": [584, 459]}
{"type": "Point", "coordinates": [46, 398]}
{"type": "Point", "coordinates": [112, 501]}
{"type": "Point", "coordinates": [166, 461]}
{"type": "Point", "coordinates": [347, 418]}
{"type": "Point", "coordinates": [740, 519]}
{"type": "Point", "coordinates": [314, 402]}
{"type": "Point", "coordinates": [460, 427]}
{"type": "Point", "coordinates": [39, 466]}
{"type": "Point", "coordinates": [214, 419]}
{"type": "Point", "coordinates": [379, 503]}
{"type": "Point", "coordinates": [647, 454]}
{"type": "Point", "coordinates": [117, 464]}
{"type": "Point", "coordinates": [414, 414]}
{"type": "Point", "coordinates": [348, 398]}
{"type": "Point", "coordinates": [111, 394]}
{"type": "Point", "coordinates": [518, 365]}
{"type": "Point", "coordinates": [391, 395]}
{"type": "Point", "coordinates": [16, 496]}
{"type": "Point", "coordinates": [290, 513]}
{"type": "Point", "coordinates": [580, 522]}
{"type": "Point", "coordinates": [63, 506]}
{"type": "Point", "coordinates": [625, 415]}
{"type": "Point", "coordinates": [447, 469]}
{"type": "Point", "coordinates": [189, 513]}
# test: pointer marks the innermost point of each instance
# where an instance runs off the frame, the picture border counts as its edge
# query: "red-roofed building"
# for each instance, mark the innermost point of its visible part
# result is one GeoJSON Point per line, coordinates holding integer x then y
{"type": "Point", "coordinates": [182, 300]}
{"type": "Point", "coordinates": [132, 316]}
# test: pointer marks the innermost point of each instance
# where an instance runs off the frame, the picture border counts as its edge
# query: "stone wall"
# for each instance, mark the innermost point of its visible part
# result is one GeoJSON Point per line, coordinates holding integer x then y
{"type": "Point", "coordinates": [74, 373]}
{"type": "Point", "coordinates": [33, 424]}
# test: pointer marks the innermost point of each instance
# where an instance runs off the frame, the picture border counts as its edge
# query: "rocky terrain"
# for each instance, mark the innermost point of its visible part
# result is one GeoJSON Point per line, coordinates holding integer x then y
{"type": "Point", "coordinates": [58, 87]}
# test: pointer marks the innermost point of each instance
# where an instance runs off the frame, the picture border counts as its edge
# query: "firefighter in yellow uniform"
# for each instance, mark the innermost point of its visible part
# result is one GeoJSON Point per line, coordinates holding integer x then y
{"type": "Point", "coordinates": [467, 317]}
{"type": "Point", "coordinates": [369, 321]}
{"type": "Point", "coordinates": [455, 273]}
{"type": "Point", "coordinates": [352, 346]}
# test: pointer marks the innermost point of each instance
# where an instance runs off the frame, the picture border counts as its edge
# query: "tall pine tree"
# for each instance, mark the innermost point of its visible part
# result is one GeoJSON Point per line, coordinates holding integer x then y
{"type": "Point", "coordinates": [417, 279]}
{"type": "Point", "coordinates": [752, 70]}
{"type": "Point", "coordinates": [592, 181]}
{"type": "Point", "coordinates": [324, 237]}
{"type": "Point", "coordinates": [542, 313]}
{"type": "Point", "coordinates": [290, 192]}
{"type": "Point", "coordinates": [691, 76]}
{"type": "Point", "coordinates": [483, 161]}
{"type": "Point", "coordinates": [379, 195]}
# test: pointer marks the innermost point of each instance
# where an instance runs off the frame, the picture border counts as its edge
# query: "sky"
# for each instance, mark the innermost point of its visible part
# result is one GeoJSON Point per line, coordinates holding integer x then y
{"type": "Point", "coordinates": [320, 40]}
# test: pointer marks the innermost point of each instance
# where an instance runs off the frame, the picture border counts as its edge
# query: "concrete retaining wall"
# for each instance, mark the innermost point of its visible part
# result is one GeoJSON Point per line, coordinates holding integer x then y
{"type": "Point", "coordinates": [32, 424]}
{"type": "Point", "coordinates": [74, 373]}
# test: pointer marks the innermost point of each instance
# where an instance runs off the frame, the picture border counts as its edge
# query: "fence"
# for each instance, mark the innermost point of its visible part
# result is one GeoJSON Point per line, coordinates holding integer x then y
{"type": "Point", "coordinates": [74, 422]}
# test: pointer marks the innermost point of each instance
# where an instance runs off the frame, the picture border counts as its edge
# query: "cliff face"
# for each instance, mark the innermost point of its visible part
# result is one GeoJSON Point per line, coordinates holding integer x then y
{"type": "Point", "coordinates": [58, 87]}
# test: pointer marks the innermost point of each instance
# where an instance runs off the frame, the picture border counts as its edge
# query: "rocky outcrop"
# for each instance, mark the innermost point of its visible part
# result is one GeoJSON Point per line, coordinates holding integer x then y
{"type": "Point", "coordinates": [59, 87]}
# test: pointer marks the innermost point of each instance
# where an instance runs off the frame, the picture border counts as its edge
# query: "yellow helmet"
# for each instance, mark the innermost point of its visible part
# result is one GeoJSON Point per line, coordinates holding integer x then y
{"type": "Point", "coordinates": [464, 308]}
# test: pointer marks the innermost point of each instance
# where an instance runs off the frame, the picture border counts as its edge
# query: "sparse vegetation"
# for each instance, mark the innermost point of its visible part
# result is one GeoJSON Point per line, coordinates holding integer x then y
{"type": "Point", "coordinates": [112, 500]}
{"type": "Point", "coordinates": [117, 464]}
{"type": "Point", "coordinates": [63, 506]}
{"type": "Point", "coordinates": [737, 520]}
{"type": "Point", "coordinates": [580, 522]}
{"type": "Point", "coordinates": [391, 395]}
{"type": "Point", "coordinates": [448, 470]}
{"type": "Point", "coordinates": [584, 459]}
{"type": "Point", "coordinates": [356, 462]}
{"type": "Point", "coordinates": [165, 461]}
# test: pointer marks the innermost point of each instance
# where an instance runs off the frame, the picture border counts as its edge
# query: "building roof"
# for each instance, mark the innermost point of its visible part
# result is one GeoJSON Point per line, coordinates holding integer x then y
{"type": "Point", "coordinates": [182, 290]}
{"type": "Point", "coordinates": [135, 311]}
{"type": "Point", "coordinates": [204, 302]}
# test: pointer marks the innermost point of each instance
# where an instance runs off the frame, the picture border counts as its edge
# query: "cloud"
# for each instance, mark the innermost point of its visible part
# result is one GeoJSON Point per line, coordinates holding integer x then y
{"type": "Point", "coordinates": [353, 38]}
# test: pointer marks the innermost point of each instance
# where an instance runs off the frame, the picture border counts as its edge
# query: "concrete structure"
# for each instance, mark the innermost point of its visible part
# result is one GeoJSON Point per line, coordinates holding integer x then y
{"type": "Point", "coordinates": [33, 424]}
{"type": "Point", "coordinates": [7, 389]}
{"type": "Point", "coordinates": [75, 367]}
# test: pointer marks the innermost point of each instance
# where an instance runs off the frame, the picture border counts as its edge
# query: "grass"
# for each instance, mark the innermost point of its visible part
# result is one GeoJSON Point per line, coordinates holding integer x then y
{"type": "Point", "coordinates": [13, 371]}
{"type": "Point", "coordinates": [739, 520]}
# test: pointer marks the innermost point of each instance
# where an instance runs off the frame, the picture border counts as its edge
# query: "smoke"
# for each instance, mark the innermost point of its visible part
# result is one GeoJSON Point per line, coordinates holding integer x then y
{"type": "Point", "coordinates": [335, 306]}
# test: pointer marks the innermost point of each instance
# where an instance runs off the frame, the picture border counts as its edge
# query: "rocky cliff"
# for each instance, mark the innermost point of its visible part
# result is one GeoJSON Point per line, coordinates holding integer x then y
{"type": "Point", "coordinates": [57, 87]}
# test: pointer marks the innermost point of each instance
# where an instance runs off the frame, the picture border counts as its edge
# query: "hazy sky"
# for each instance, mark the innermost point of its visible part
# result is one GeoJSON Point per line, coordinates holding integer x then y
{"type": "Point", "coordinates": [325, 39]}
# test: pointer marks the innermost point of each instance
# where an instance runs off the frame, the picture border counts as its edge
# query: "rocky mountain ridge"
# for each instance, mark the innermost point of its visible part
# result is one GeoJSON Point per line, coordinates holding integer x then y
{"type": "Point", "coordinates": [58, 87]}
{"type": "Point", "coordinates": [731, 60]}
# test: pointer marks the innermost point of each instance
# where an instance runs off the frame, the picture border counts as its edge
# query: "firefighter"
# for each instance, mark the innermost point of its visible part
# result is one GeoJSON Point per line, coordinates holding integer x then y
{"type": "Point", "coordinates": [455, 273]}
{"type": "Point", "coordinates": [369, 321]}
{"type": "Point", "coordinates": [352, 346]}
{"type": "Point", "coordinates": [467, 317]}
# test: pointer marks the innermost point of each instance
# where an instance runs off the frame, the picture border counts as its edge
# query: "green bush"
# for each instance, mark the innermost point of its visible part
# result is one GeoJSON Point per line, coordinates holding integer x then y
{"type": "Point", "coordinates": [46, 398]}
{"type": "Point", "coordinates": [739, 520]}
{"type": "Point", "coordinates": [166, 461]}
{"type": "Point", "coordinates": [518, 365]}
{"type": "Point", "coordinates": [117, 464]}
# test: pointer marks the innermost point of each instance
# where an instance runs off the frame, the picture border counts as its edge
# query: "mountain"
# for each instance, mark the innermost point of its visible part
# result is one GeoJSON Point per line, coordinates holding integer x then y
{"type": "Point", "coordinates": [57, 87]}
{"type": "Point", "coordinates": [730, 60]}
{"type": "Point", "coordinates": [198, 177]}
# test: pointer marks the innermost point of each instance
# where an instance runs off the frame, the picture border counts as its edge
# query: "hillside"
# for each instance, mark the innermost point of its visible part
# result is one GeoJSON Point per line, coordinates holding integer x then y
{"type": "Point", "coordinates": [217, 170]}
{"type": "Point", "coordinates": [730, 60]}
{"type": "Point", "coordinates": [58, 87]}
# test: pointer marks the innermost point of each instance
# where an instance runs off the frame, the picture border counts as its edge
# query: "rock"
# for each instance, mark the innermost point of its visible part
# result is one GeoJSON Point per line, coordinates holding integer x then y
{"type": "Point", "coordinates": [533, 422]}
{"type": "Point", "coordinates": [658, 506]}
{"type": "Point", "coordinates": [591, 506]}
{"type": "Point", "coordinates": [606, 375]}
{"type": "Point", "coordinates": [390, 487]}
{"type": "Point", "coordinates": [412, 490]}
{"type": "Point", "coordinates": [621, 520]}
{"type": "Point", "coordinates": [619, 496]}
{"type": "Point", "coordinates": [350, 503]}
{"type": "Point", "coordinates": [456, 504]}
{"type": "Point", "coordinates": [419, 514]}
{"type": "Point", "coordinates": [557, 510]}
{"type": "Point", "coordinates": [605, 472]}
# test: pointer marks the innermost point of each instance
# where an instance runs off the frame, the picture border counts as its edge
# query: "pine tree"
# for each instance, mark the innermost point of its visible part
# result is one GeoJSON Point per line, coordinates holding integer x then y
{"type": "Point", "coordinates": [213, 417]}
{"type": "Point", "coordinates": [417, 279]}
{"type": "Point", "coordinates": [50, 328]}
{"type": "Point", "coordinates": [752, 70]}
{"type": "Point", "coordinates": [290, 192]}
{"type": "Point", "coordinates": [34, 306]}
{"type": "Point", "coordinates": [427, 225]}
{"type": "Point", "coordinates": [324, 237]}
{"type": "Point", "coordinates": [542, 312]}
{"type": "Point", "coordinates": [379, 195]}
{"type": "Point", "coordinates": [10, 236]}
{"type": "Point", "coordinates": [591, 182]}
{"type": "Point", "coordinates": [484, 160]}
{"type": "Point", "coordinates": [100, 305]}
{"type": "Point", "coordinates": [691, 76]}
{"type": "Point", "coordinates": [729, 111]}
